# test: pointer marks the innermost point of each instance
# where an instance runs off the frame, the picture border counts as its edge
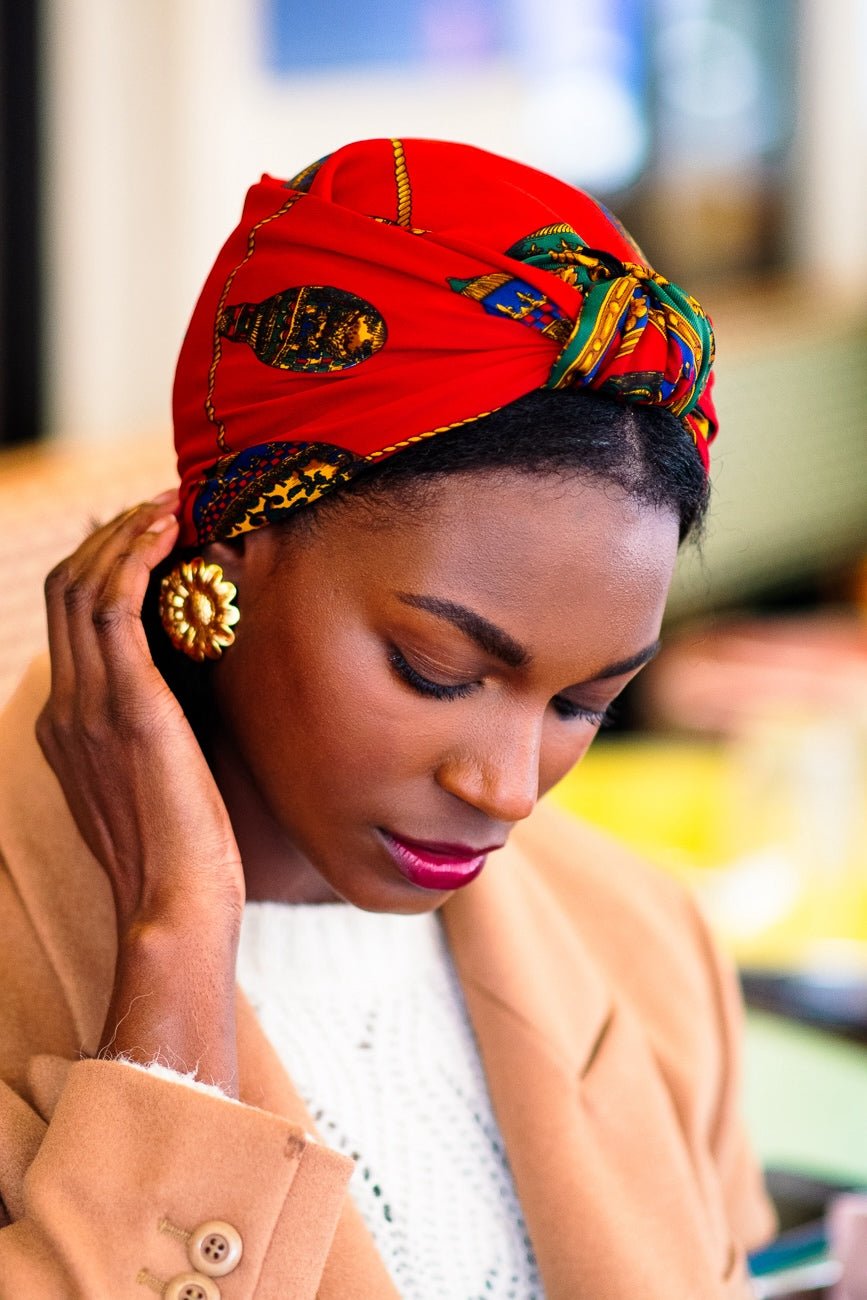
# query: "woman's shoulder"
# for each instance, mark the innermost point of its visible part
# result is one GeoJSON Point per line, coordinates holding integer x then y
{"type": "Point", "coordinates": [35, 822]}
{"type": "Point", "coordinates": [38, 836]}
{"type": "Point", "coordinates": [56, 913]}
{"type": "Point", "coordinates": [19, 713]}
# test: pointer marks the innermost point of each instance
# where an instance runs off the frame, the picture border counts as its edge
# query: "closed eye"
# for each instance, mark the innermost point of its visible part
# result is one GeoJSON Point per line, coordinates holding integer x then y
{"type": "Point", "coordinates": [567, 710]}
{"type": "Point", "coordinates": [424, 685]}
{"type": "Point", "coordinates": [564, 708]}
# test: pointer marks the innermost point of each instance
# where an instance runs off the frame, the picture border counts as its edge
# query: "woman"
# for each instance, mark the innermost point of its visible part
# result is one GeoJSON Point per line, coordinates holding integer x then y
{"type": "Point", "coordinates": [440, 432]}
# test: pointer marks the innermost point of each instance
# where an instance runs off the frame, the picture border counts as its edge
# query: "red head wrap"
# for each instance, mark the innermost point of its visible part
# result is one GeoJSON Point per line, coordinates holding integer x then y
{"type": "Point", "coordinates": [397, 289]}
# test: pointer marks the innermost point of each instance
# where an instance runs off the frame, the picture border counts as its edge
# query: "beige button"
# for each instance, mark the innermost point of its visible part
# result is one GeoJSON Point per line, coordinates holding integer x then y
{"type": "Point", "coordinates": [191, 1286]}
{"type": "Point", "coordinates": [215, 1248]}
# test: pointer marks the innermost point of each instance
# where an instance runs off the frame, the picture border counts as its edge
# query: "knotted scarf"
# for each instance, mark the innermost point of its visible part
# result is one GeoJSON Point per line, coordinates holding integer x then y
{"type": "Point", "coordinates": [398, 289]}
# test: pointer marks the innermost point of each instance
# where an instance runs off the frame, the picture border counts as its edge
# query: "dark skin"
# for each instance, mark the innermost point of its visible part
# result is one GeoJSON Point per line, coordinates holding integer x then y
{"type": "Point", "coordinates": [428, 671]}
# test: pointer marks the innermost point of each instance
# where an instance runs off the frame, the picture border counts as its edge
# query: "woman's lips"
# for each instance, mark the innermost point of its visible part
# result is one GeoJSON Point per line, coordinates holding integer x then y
{"type": "Point", "coordinates": [435, 865]}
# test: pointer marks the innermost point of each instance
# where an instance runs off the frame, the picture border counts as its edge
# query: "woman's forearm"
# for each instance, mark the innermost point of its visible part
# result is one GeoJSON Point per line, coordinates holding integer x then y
{"type": "Point", "coordinates": [174, 998]}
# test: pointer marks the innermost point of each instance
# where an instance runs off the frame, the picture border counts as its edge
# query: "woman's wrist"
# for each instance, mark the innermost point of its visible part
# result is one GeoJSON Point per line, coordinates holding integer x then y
{"type": "Point", "coordinates": [174, 995]}
{"type": "Point", "coordinates": [164, 917]}
{"type": "Point", "coordinates": [167, 898]}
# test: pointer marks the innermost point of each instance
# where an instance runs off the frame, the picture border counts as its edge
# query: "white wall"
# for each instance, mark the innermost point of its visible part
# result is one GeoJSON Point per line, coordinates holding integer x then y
{"type": "Point", "coordinates": [112, 214]}
{"type": "Point", "coordinates": [830, 199]}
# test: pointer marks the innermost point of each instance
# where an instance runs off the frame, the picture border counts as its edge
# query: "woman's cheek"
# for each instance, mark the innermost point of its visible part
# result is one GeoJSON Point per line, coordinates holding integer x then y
{"type": "Point", "coordinates": [562, 749]}
{"type": "Point", "coordinates": [383, 725]}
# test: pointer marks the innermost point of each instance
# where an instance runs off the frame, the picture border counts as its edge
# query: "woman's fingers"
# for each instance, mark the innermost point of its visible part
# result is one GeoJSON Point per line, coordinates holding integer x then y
{"type": "Point", "coordinates": [91, 568]}
{"type": "Point", "coordinates": [116, 615]}
{"type": "Point", "coordinates": [74, 590]}
{"type": "Point", "coordinates": [63, 588]}
{"type": "Point", "coordinates": [114, 669]}
{"type": "Point", "coordinates": [59, 647]}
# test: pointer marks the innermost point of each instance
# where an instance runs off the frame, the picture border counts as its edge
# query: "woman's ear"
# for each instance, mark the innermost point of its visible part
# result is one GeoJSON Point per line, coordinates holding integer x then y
{"type": "Point", "coordinates": [231, 555]}
{"type": "Point", "coordinates": [247, 560]}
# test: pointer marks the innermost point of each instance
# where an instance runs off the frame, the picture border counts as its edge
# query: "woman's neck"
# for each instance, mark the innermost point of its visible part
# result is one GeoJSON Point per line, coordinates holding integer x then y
{"type": "Point", "coordinates": [274, 869]}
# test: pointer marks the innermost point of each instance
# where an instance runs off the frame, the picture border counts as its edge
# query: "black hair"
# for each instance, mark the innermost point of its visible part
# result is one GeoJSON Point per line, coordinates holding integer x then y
{"type": "Point", "coordinates": [644, 450]}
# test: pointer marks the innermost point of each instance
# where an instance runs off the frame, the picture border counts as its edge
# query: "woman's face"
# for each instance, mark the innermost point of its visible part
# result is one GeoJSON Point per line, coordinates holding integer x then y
{"type": "Point", "coordinates": [405, 684]}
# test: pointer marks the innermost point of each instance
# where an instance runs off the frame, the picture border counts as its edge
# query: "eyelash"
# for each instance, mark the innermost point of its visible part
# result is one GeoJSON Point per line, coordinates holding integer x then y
{"type": "Point", "coordinates": [423, 684]}
{"type": "Point", "coordinates": [597, 718]}
{"type": "Point", "coordinates": [436, 691]}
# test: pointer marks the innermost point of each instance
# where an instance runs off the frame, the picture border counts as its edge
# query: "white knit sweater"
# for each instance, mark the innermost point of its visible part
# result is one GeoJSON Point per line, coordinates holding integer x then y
{"type": "Point", "coordinates": [367, 1015]}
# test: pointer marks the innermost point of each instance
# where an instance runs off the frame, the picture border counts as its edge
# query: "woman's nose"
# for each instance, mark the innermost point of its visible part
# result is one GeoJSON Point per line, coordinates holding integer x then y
{"type": "Point", "coordinates": [498, 775]}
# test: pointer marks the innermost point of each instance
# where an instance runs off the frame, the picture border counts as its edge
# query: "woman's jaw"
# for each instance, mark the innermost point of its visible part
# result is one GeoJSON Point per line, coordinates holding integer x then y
{"type": "Point", "coordinates": [404, 688]}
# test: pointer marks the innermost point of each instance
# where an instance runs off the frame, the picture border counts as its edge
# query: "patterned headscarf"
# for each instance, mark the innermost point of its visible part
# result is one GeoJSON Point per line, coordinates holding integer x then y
{"type": "Point", "coordinates": [398, 289]}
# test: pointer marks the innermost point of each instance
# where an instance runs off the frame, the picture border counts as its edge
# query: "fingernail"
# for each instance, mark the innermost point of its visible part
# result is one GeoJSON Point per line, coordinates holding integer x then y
{"type": "Point", "coordinates": [170, 495]}
{"type": "Point", "coordinates": [161, 524]}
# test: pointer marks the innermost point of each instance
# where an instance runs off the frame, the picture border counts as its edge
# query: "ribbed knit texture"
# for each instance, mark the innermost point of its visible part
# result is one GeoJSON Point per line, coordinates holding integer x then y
{"type": "Point", "coordinates": [367, 1014]}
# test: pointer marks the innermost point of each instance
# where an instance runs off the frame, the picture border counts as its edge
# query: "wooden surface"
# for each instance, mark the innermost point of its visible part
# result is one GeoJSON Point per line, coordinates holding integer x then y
{"type": "Point", "coordinates": [50, 497]}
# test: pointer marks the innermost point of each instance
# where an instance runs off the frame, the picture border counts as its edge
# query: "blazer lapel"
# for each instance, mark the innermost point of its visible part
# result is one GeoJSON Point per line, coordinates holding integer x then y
{"type": "Point", "coordinates": [536, 1035]}
{"type": "Point", "coordinates": [511, 943]}
{"type": "Point", "coordinates": [594, 1143]}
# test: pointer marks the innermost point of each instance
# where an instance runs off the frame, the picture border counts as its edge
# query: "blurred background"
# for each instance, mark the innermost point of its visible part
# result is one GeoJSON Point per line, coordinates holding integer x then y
{"type": "Point", "coordinates": [731, 137]}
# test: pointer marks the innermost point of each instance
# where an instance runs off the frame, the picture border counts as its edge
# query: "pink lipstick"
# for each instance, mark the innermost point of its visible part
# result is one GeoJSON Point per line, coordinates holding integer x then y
{"type": "Point", "coordinates": [435, 865]}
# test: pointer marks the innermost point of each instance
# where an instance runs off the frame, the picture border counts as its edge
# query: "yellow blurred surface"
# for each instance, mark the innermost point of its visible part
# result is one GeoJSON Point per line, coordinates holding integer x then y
{"type": "Point", "coordinates": [780, 883]}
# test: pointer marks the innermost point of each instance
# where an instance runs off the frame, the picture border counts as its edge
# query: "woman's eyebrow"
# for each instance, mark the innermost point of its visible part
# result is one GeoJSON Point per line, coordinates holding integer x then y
{"type": "Point", "coordinates": [492, 639]}
{"type": "Point", "coordinates": [628, 665]}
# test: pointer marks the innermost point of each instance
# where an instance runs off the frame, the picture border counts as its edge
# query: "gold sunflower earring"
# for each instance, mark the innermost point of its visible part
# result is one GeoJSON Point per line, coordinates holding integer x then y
{"type": "Point", "coordinates": [196, 609]}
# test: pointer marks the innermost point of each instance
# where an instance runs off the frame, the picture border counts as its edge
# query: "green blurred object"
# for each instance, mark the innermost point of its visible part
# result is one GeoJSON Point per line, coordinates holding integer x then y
{"type": "Point", "coordinates": [804, 1095]}
{"type": "Point", "coordinates": [790, 467]}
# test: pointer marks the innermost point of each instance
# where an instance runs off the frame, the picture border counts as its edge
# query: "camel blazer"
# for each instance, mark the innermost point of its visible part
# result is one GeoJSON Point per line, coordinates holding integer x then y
{"type": "Point", "coordinates": [607, 1026]}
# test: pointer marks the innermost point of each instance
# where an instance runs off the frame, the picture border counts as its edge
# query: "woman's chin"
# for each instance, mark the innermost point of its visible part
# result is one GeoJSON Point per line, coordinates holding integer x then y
{"type": "Point", "coordinates": [373, 893]}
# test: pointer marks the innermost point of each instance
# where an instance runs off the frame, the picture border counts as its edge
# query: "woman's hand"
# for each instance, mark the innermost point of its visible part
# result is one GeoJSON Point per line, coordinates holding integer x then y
{"type": "Point", "coordinates": [145, 802]}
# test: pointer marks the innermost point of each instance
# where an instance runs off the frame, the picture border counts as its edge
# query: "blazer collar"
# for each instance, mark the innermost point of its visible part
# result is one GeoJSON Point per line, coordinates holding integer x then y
{"type": "Point", "coordinates": [540, 1010]}
{"type": "Point", "coordinates": [522, 965]}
